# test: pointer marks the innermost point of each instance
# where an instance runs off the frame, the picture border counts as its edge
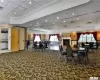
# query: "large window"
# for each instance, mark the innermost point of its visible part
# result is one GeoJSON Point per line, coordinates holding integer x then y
{"type": "Point", "coordinates": [86, 38]}
{"type": "Point", "coordinates": [54, 38]}
{"type": "Point", "coordinates": [37, 38]}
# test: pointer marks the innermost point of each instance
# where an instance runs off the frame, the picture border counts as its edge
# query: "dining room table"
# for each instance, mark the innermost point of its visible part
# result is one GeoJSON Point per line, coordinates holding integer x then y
{"type": "Point", "coordinates": [80, 53]}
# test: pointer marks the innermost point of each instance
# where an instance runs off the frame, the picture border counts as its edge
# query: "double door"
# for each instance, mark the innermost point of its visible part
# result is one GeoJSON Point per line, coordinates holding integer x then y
{"type": "Point", "coordinates": [17, 39]}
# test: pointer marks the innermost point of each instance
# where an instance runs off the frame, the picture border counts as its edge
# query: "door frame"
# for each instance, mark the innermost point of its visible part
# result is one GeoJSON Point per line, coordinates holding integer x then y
{"type": "Point", "coordinates": [66, 38]}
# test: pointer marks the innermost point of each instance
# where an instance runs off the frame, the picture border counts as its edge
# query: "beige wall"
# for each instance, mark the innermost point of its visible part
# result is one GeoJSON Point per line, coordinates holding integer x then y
{"type": "Point", "coordinates": [43, 37]}
{"type": "Point", "coordinates": [73, 35]}
{"type": "Point", "coordinates": [98, 35]}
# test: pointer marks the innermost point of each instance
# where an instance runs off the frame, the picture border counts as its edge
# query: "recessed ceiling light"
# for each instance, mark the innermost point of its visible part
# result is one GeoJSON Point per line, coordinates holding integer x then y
{"type": "Point", "coordinates": [45, 25]}
{"type": "Point", "coordinates": [53, 23]}
{"type": "Point", "coordinates": [64, 21]}
{"type": "Point", "coordinates": [14, 12]}
{"type": "Point", "coordinates": [46, 20]}
{"type": "Point", "coordinates": [30, 2]}
{"type": "Point", "coordinates": [73, 14]}
{"type": "Point", "coordinates": [2, 0]}
{"type": "Point", "coordinates": [57, 17]}
{"type": "Point", "coordinates": [77, 18]}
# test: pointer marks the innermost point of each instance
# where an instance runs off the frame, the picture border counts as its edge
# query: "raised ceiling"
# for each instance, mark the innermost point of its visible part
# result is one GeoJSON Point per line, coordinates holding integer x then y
{"type": "Point", "coordinates": [86, 17]}
{"type": "Point", "coordinates": [17, 8]}
{"type": "Point", "coordinates": [34, 15]}
{"type": "Point", "coordinates": [22, 11]}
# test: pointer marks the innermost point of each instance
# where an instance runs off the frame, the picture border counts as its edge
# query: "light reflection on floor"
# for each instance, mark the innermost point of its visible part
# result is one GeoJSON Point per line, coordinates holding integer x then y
{"type": "Point", "coordinates": [54, 47]}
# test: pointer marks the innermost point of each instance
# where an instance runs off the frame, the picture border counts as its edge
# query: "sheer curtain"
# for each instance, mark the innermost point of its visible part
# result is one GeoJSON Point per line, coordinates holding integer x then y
{"type": "Point", "coordinates": [80, 38]}
{"type": "Point", "coordinates": [37, 38]}
{"type": "Point", "coordinates": [54, 38]}
{"type": "Point", "coordinates": [87, 38]}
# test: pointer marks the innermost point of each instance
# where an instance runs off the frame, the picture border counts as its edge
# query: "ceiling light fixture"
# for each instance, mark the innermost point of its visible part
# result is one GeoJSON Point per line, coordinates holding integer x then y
{"type": "Point", "coordinates": [45, 25]}
{"type": "Point", "coordinates": [64, 21]}
{"type": "Point", "coordinates": [2, 0]}
{"type": "Point", "coordinates": [30, 2]}
{"type": "Point", "coordinates": [14, 12]}
{"type": "Point", "coordinates": [46, 20]}
{"type": "Point", "coordinates": [57, 17]}
{"type": "Point", "coordinates": [73, 14]}
{"type": "Point", "coordinates": [53, 23]}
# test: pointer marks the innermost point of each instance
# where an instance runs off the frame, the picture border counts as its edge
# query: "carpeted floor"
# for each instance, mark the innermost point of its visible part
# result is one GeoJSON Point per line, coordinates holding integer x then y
{"type": "Point", "coordinates": [28, 65]}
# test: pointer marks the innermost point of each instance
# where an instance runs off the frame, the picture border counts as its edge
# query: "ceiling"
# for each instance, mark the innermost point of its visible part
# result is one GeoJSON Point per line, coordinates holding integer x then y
{"type": "Point", "coordinates": [49, 16]}
{"type": "Point", "coordinates": [86, 18]}
{"type": "Point", "coordinates": [17, 8]}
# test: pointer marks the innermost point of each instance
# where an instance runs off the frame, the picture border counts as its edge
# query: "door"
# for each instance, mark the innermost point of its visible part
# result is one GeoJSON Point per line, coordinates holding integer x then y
{"type": "Point", "coordinates": [22, 39]}
{"type": "Point", "coordinates": [65, 41]}
{"type": "Point", "coordinates": [14, 39]}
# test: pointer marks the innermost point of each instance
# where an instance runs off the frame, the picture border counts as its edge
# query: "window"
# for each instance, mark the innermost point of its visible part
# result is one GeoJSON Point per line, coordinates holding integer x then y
{"type": "Point", "coordinates": [54, 38]}
{"type": "Point", "coordinates": [37, 38]}
{"type": "Point", "coordinates": [86, 38]}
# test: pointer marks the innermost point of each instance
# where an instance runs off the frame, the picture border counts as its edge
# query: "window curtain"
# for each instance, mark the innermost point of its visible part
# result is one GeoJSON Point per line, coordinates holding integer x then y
{"type": "Point", "coordinates": [39, 36]}
{"type": "Point", "coordinates": [58, 36]}
{"type": "Point", "coordinates": [50, 36]}
{"type": "Point", "coordinates": [78, 36]}
{"type": "Point", "coordinates": [94, 34]}
{"type": "Point", "coordinates": [34, 35]}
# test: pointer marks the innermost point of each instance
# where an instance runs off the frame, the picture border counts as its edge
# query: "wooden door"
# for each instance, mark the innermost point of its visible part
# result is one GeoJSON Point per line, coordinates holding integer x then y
{"type": "Point", "coordinates": [14, 39]}
{"type": "Point", "coordinates": [22, 38]}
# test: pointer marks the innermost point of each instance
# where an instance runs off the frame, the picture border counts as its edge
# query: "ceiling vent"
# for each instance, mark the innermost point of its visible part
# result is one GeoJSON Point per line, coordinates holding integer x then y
{"type": "Point", "coordinates": [78, 26]}
{"type": "Point", "coordinates": [1, 8]}
{"type": "Point", "coordinates": [89, 22]}
{"type": "Point", "coordinates": [72, 22]}
{"type": "Point", "coordinates": [65, 26]}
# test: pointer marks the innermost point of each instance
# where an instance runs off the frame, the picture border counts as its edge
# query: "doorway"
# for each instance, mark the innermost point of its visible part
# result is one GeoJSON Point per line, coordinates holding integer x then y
{"type": "Point", "coordinates": [66, 40]}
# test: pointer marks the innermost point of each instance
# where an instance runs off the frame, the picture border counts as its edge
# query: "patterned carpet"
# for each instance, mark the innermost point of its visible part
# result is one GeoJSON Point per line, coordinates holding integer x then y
{"type": "Point", "coordinates": [28, 65]}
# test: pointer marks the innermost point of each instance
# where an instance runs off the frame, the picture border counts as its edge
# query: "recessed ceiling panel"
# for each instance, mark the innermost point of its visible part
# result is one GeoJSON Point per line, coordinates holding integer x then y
{"type": "Point", "coordinates": [18, 2]}
{"type": "Point", "coordinates": [25, 5]}
{"type": "Point", "coordinates": [41, 2]}
{"type": "Point", "coordinates": [21, 8]}
{"type": "Point", "coordinates": [3, 4]}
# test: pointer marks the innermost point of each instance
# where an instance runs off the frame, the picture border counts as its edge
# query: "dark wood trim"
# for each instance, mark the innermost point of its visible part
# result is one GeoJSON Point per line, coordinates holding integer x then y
{"type": "Point", "coordinates": [73, 40]}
